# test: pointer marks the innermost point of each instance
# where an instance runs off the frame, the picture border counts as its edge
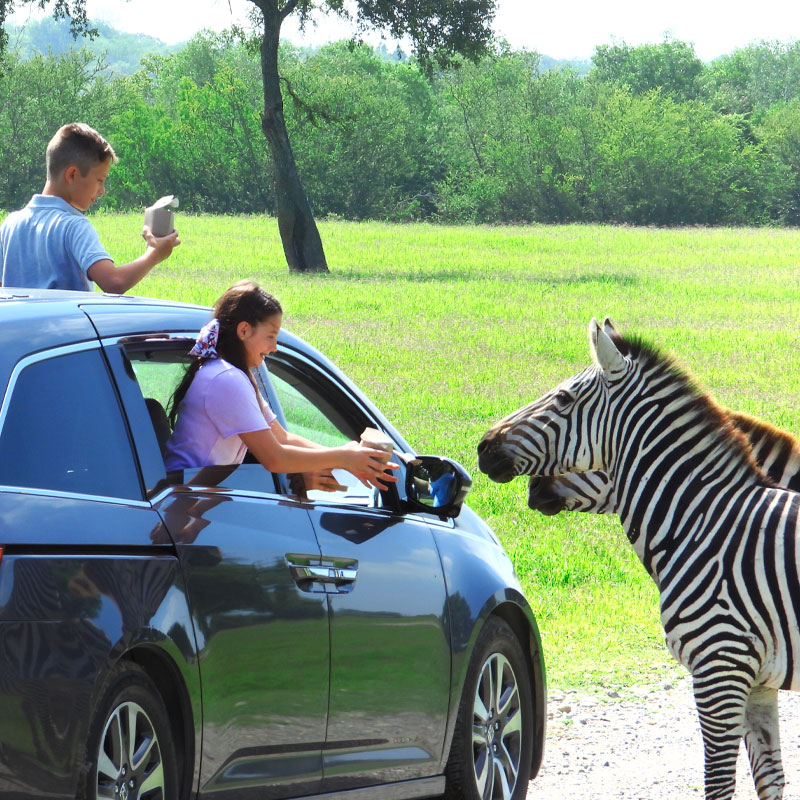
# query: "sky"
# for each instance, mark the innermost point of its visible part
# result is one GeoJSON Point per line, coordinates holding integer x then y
{"type": "Point", "coordinates": [570, 29]}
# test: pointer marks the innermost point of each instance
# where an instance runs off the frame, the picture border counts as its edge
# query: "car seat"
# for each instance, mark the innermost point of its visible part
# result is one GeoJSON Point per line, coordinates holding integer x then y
{"type": "Point", "coordinates": [160, 423]}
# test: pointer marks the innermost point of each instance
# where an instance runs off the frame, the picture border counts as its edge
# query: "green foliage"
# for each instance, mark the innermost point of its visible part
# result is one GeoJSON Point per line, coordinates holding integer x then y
{"type": "Point", "coordinates": [73, 11]}
{"type": "Point", "coordinates": [188, 124]}
{"type": "Point", "coordinates": [438, 29]}
{"type": "Point", "coordinates": [670, 66]}
{"type": "Point", "coordinates": [362, 132]}
{"type": "Point", "coordinates": [552, 147]}
{"type": "Point", "coordinates": [511, 140]}
{"type": "Point", "coordinates": [660, 162]}
{"type": "Point", "coordinates": [753, 78]}
{"type": "Point", "coordinates": [642, 139]}
{"type": "Point", "coordinates": [33, 97]}
{"type": "Point", "coordinates": [779, 133]}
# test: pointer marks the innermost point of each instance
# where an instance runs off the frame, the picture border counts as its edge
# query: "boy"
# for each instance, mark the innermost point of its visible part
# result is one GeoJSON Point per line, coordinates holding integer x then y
{"type": "Point", "coordinates": [50, 244]}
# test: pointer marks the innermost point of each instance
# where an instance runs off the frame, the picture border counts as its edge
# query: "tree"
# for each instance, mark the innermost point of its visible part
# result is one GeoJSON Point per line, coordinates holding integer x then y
{"type": "Point", "coordinates": [438, 29]}
{"type": "Point", "coordinates": [753, 78]}
{"type": "Point", "coordinates": [33, 97]}
{"type": "Point", "coordinates": [670, 66]}
{"type": "Point", "coordinates": [365, 137]}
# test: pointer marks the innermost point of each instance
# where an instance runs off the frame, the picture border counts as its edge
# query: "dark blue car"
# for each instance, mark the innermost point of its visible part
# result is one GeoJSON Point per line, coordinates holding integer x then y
{"type": "Point", "coordinates": [222, 632]}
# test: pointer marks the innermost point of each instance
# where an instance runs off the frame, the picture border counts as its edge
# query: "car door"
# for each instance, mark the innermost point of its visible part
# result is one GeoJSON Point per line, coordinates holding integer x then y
{"type": "Point", "coordinates": [390, 653]}
{"type": "Point", "coordinates": [261, 624]}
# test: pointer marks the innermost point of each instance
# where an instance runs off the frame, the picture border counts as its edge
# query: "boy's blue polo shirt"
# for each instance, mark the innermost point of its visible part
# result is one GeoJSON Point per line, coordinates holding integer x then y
{"type": "Point", "coordinates": [49, 244]}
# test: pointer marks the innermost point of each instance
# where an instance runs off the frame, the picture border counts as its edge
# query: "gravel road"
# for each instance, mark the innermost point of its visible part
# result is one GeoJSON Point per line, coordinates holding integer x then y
{"type": "Point", "coordinates": [642, 743]}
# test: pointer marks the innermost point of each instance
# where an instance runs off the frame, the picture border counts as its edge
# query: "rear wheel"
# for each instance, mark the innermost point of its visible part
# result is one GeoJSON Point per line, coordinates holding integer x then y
{"type": "Point", "coordinates": [130, 752]}
{"type": "Point", "coordinates": [490, 758]}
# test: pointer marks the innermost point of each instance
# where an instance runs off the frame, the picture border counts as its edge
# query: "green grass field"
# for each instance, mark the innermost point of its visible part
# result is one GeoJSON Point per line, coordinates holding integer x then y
{"type": "Point", "coordinates": [449, 328]}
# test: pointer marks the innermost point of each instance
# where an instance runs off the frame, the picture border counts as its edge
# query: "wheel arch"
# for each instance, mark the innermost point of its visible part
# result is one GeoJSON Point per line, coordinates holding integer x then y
{"type": "Point", "coordinates": [166, 676]}
{"type": "Point", "coordinates": [527, 632]}
{"type": "Point", "coordinates": [513, 609]}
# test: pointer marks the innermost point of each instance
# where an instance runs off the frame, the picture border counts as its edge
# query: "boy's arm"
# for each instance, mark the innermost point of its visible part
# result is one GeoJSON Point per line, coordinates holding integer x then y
{"type": "Point", "coordinates": [117, 280]}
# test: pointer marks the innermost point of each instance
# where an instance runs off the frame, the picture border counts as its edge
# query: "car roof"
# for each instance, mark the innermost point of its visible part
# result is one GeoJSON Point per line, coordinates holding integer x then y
{"type": "Point", "coordinates": [37, 319]}
{"type": "Point", "coordinates": [32, 320]}
{"type": "Point", "coordinates": [12, 294]}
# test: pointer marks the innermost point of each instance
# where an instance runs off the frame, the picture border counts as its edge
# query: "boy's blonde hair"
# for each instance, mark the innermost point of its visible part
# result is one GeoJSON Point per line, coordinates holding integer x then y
{"type": "Point", "coordinates": [79, 145]}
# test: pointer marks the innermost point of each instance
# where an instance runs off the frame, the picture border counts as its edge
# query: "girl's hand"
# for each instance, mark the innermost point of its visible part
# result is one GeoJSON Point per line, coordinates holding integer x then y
{"type": "Point", "coordinates": [369, 465]}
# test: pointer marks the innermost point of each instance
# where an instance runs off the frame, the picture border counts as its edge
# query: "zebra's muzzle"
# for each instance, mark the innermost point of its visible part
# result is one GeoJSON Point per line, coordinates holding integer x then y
{"type": "Point", "coordinates": [541, 497]}
{"type": "Point", "coordinates": [495, 462]}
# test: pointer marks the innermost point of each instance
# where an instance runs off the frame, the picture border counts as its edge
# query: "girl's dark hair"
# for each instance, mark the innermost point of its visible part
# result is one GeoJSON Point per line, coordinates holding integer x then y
{"type": "Point", "coordinates": [245, 301]}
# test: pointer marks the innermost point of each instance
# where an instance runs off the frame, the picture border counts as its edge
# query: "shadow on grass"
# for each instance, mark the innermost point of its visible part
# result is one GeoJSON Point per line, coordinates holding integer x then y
{"type": "Point", "coordinates": [472, 276]}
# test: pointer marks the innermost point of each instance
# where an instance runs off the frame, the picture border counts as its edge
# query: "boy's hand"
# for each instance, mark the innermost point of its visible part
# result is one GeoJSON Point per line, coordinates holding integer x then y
{"type": "Point", "coordinates": [322, 480]}
{"type": "Point", "coordinates": [162, 245]}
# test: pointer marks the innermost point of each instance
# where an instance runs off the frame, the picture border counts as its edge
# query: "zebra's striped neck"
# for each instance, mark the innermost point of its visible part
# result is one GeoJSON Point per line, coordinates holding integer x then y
{"type": "Point", "coordinates": [675, 456]}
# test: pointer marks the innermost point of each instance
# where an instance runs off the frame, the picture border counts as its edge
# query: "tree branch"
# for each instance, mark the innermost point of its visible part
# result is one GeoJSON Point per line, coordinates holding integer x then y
{"type": "Point", "coordinates": [288, 8]}
{"type": "Point", "coordinates": [310, 111]}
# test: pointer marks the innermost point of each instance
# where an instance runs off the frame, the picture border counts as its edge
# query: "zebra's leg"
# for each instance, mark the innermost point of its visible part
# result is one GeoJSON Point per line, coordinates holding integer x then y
{"type": "Point", "coordinates": [720, 701]}
{"type": "Point", "coordinates": [762, 737]}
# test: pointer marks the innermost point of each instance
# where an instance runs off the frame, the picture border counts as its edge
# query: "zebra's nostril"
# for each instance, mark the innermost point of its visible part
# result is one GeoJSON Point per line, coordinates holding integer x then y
{"type": "Point", "coordinates": [482, 445]}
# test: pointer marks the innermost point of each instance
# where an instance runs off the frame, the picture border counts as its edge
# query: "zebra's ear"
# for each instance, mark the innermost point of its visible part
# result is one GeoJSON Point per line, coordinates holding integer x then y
{"type": "Point", "coordinates": [611, 329]}
{"type": "Point", "coordinates": [604, 351]}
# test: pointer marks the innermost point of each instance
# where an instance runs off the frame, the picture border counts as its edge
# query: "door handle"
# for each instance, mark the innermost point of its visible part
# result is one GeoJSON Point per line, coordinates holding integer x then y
{"type": "Point", "coordinates": [315, 574]}
{"type": "Point", "coordinates": [323, 574]}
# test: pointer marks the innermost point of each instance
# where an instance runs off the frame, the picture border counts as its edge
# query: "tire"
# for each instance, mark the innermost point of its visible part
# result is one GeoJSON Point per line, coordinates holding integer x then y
{"type": "Point", "coordinates": [490, 758]}
{"type": "Point", "coordinates": [130, 751]}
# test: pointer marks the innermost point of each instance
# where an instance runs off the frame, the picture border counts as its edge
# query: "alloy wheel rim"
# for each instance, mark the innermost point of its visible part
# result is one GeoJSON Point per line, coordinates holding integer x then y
{"type": "Point", "coordinates": [496, 730]}
{"type": "Point", "coordinates": [129, 764]}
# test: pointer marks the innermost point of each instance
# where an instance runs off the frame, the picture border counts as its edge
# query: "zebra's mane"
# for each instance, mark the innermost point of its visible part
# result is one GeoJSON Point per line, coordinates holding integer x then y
{"type": "Point", "coordinates": [717, 417]}
{"type": "Point", "coordinates": [774, 437]}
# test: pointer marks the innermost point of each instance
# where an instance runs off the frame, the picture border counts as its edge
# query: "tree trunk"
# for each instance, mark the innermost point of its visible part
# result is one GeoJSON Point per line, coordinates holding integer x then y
{"type": "Point", "coordinates": [302, 244]}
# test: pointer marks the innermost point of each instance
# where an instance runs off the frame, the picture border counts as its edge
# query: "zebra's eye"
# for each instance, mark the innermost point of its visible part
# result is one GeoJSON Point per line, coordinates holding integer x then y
{"type": "Point", "coordinates": [562, 398]}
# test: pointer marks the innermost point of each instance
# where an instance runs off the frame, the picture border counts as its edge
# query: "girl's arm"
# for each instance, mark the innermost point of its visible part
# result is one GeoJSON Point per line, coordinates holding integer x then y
{"type": "Point", "coordinates": [365, 463]}
{"type": "Point", "coordinates": [285, 437]}
{"type": "Point", "coordinates": [319, 479]}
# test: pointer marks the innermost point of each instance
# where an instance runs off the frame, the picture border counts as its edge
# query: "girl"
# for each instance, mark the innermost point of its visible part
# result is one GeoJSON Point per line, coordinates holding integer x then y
{"type": "Point", "coordinates": [218, 413]}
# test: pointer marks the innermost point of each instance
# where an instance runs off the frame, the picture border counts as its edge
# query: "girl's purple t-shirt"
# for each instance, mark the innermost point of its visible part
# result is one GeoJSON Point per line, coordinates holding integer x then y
{"type": "Point", "coordinates": [219, 405]}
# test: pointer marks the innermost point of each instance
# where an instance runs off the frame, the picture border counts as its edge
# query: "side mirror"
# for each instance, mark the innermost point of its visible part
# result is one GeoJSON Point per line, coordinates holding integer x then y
{"type": "Point", "coordinates": [436, 485]}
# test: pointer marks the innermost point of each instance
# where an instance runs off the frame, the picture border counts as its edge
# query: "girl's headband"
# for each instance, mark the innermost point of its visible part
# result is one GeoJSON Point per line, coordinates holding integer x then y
{"type": "Point", "coordinates": [206, 344]}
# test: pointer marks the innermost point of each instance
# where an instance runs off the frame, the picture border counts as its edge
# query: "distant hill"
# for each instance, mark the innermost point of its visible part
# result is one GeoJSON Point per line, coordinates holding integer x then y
{"type": "Point", "coordinates": [123, 51]}
{"type": "Point", "coordinates": [581, 66]}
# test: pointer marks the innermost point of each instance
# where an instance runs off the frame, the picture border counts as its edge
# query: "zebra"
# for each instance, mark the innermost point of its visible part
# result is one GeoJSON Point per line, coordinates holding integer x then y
{"type": "Point", "coordinates": [776, 452]}
{"type": "Point", "coordinates": [717, 536]}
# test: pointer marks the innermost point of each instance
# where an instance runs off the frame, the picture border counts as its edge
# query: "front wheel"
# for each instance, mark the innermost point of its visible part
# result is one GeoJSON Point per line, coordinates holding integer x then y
{"type": "Point", "coordinates": [490, 758]}
{"type": "Point", "coordinates": [130, 752]}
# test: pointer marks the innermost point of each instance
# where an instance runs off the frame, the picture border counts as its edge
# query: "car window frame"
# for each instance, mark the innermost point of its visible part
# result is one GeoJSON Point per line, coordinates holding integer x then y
{"type": "Point", "coordinates": [352, 407]}
{"type": "Point", "coordinates": [151, 465]}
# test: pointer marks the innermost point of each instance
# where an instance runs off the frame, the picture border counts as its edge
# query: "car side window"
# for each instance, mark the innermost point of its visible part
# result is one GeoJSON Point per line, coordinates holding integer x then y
{"type": "Point", "coordinates": [158, 379]}
{"type": "Point", "coordinates": [63, 430]}
{"type": "Point", "coordinates": [318, 412]}
{"type": "Point", "coordinates": [304, 417]}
